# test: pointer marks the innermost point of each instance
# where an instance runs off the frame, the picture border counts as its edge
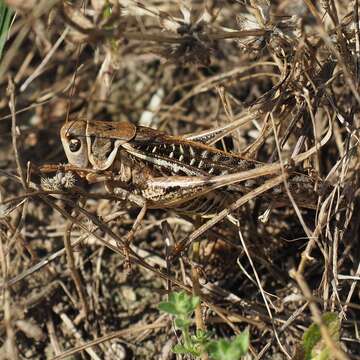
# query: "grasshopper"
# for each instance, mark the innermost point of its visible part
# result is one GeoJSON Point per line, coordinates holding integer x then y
{"type": "Point", "coordinates": [186, 172]}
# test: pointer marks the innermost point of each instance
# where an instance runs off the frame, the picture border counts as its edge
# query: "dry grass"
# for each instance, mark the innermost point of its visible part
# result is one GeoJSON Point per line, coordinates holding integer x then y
{"type": "Point", "coordinates": [289, 76]}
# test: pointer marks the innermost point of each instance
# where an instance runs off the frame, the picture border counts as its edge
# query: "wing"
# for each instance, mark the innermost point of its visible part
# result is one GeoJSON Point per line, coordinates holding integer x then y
{"type": "Point", "coordinates": [179, 156]}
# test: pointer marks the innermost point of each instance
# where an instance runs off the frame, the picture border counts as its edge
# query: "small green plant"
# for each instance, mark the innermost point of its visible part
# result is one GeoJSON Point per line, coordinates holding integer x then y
{"type": "Point", "coordinates": [313, 347]}
{"type": "Point", "coordinates": [229, 350]}
{"type": "Point", "coordinates": [6, 15]}
{"type": "Point", "coordinates": [182, 307]}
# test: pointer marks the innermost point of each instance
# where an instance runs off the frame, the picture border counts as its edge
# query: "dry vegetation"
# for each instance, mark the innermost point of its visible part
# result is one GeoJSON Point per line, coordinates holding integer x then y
{"type": "Point", "coordinates": [291, 72]}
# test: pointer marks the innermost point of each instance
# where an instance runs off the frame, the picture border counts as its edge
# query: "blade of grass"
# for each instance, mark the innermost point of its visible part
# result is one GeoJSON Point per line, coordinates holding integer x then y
{"type": "Point", "coordinates": [6, 15]}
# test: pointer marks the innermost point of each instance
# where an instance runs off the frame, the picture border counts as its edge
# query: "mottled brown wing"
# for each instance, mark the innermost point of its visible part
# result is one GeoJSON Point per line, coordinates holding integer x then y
{"type": "Point", "coordinates": [180, 156]}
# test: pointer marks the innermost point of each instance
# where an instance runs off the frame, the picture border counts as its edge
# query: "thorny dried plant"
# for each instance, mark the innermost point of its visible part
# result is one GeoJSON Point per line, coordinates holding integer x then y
{"type": "Point", "coordinates": [286, 73]}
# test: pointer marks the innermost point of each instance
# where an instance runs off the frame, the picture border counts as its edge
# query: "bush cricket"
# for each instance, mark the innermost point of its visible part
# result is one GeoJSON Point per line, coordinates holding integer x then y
{"type": "Point", "coordinates": [180, 172]}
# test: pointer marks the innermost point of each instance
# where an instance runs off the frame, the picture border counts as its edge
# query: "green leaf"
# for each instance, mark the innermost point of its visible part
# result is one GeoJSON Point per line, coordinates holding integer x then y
{"type": "Point", "coordinates": [180, 303]}
{"type": "Point", "coordinates": [168, 307]}
{"type": "Point", "coordinates": [218, 350]}
{"type": "Point", "coordinates": [324, 355]}
{"type": "Point", "coordinates": [107, 10]}
{"type": "Point", "coordinates": [195, 301]}
{"type": "Point", "coordinates": [182, 323]}
{"type": "Point", "coordinates": [201, 337]}
{"type": "Point", "coordinates": [313, 345]}
{"type": "Point", "coordinates": [229, 350]}
{"type": "Point", "coordinates": [179, 349]}
{"type": "Point", "coordinates": [243, 341]}
{"type": "Point", "coordinates": [6, 15]}
{"type": "Point", "coordinates": [185, 303]}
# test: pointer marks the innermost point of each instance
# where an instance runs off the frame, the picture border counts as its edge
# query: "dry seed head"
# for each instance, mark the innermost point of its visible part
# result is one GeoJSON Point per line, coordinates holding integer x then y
{"type": "Point", "coordinates": [60, 181]}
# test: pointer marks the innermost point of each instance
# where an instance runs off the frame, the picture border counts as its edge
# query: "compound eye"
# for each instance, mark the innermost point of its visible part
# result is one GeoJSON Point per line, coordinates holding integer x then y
{"type": "Point", "coordinates": [74, 144]}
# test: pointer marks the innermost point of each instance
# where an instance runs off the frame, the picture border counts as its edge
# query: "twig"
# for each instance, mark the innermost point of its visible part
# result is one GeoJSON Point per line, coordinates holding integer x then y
{"type": "Point", "coordinates": [44, 62]}
{"type": "Point", "coordinates": [11, 91]}
{"type": "Point", "coordinates": [10, 347]}
{"type": "Point", "coordinates": [261, 289]}
{"type": "Point", "coordinates": [74, 272]}
{"type": "Point", "coordinates": [114, 335]}
{"type": "Point", "coordinates": [200, 325]}
{"type": "Point", "coordinates": [334, 348]}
